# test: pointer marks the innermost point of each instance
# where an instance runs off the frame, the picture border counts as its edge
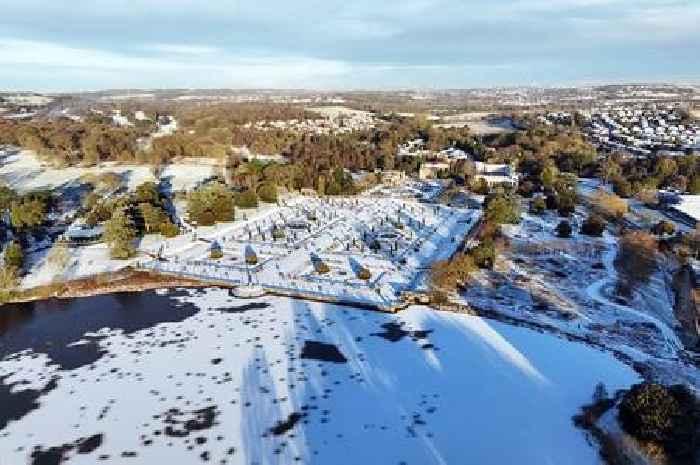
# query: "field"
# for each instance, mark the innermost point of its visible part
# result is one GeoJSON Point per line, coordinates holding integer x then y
{"type": "Point", "coordinates": [280, 381]}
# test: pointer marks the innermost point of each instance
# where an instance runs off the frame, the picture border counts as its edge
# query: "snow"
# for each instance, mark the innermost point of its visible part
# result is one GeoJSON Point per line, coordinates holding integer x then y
{"type": "Point", "coordinates": [485, 393]}
{"type": "Point", "coordinates": [690, 205]}
{"type": "Point", "coordinates": [25, 172]}
{"type": "Point", "coordinates": [337, 237]}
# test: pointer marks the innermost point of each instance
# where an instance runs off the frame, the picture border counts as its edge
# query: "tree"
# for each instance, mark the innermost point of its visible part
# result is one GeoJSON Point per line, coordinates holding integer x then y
{"type": "Point", "coordinates": [28, 213]}
{"type": "Point", "coordinates": [119, 234]}
{"type": "Point", "coordinates": [268, 192]}
{"type": "Point", "coordinates": [210, 204]}
{"type": "Point", "coordinates": [502, 209]}
{"type": "Point", "coordinates": [153, 217]}
{"type": "Point", "coordinates": [564, 229]}
{"type": "Point", "coordinates": [594, 225]}
{"type": "Point", "coordinates": [484, 254]}
{"type": "Point", "coordinates": [636, 259]}
{"type": "Point", "coordinates": [147, 193]}
{"type": "Point", "coordinates": [14, 256]}
{"type": "Point", "coordinates": [694, 185]}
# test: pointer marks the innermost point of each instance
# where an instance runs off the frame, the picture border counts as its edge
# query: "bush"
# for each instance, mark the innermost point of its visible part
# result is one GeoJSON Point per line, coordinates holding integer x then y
{"type": "Point", "coordinates": [622, 187]}
{"type": "Point", "coordinates": [277, 233]}
{"type": "Point", "coordinates": [663, 228]}
{"type": "Point", "coordinates": [216, 254]}
{"type": "Point", "coordinates": [538, 205]}
{"type": "Point", "coordinates": [247, 199]}
{"type": "Point", "coordinates": [452, 274]}
{"type": "Point", "coordinates": [564, 229]}
{"type": "Point", "coordinates": [594, 225]}
{"type": "Point", "coordinates": [665, 416]}
{"type": "Point", "coordinates": [364, 274]}
{"type": "Point", "coordinates": [268, 192]}
{"type": "Point", "coordinates": [168, 229]}
{"type": "Point", "coordinates": [609, 205]}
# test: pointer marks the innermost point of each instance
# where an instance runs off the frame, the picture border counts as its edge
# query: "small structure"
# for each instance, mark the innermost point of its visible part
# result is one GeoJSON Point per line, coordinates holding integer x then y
{"type": "Point", "coordinates": [80, 233]}
{"type": "Point", "coordinates": [307, 192]}
{"type": "Point", "coordinates": [393, 178]}
{"type": "Point", "coordinates": [251, 258]}
{"type": "Point", "coordinates": [496, 174]}
{"type": "Point", "coordinates": [215, 250]}
{"type": "Point", "coordinates": [431, 170]}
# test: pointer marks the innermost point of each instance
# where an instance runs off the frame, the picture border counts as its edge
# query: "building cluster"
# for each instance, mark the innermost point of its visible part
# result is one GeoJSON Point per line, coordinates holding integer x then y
{"type": "Point", "coordinates": [556, 117]}
{"type": "Point", "coordinates": [643, 130]}
{"type": "Point", "coordinates": [440, 162]}
{"type": "Point", "coordinates": [339, 124]}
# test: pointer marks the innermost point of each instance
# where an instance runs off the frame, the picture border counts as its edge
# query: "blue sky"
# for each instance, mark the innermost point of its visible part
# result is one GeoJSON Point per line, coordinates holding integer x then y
{"type": "Point", "coordinates": [354, 44]}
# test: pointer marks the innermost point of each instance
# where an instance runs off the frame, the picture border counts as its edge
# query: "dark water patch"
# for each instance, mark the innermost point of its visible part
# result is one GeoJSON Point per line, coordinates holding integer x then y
{"type": "Point", "coordinates": [180, 424]}
{"type": "Point", "coordinates": [58, 454]}
{"type": "Point", "coordinates": [49, 326]}
{"type": "Point", "coordinates": [15, 405]}
{"type": "Point", "coordinates": [394, 332]}
{"type": "Point", "coordinates": [315, 350]}
{"type": "Point", "coordinates": [286, 425]}
{"type": "Point", "coordinates": [245, 307]}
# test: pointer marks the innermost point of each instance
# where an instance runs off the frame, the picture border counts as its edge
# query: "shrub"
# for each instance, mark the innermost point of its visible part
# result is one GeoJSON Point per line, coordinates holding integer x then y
{"type": "Point", "coordinates": [247, 199]}
{"type": "Point", "coordinates": [452, 274]}
{"type": "Point", "coordinates": [277, 233]}
{"type": "Point", "coordinates": [609, 205]}
{"type": "Point", "coordinates": [564, 229]}
{"type": "Point", "coordinates": [538, 205]}
{"type": "Point", "coordinates": [364, 274]}
{"type": "Point", "coordinates": [663, 228]}
{"type": "Point", "coordinates": [168, 229]}
{"type": "Point", "coordinates": [216, 253]}
{"type": "Point", "coordinates": [268, 192]}
{"type": "Point", "coordinates": [665, 416]}
{"type": "Point", "coordinates": [622, 187]}
{"type": "Point", "coordinates": [594, 225]}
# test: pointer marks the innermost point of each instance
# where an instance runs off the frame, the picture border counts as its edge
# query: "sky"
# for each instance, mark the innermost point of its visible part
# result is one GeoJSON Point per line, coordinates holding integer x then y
{"type": "Point", "coordinates": [69, 45]}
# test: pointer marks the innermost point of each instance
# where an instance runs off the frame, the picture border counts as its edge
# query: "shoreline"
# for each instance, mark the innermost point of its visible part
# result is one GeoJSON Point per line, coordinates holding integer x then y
{"type": "Point", "coordinates": [125, 280]}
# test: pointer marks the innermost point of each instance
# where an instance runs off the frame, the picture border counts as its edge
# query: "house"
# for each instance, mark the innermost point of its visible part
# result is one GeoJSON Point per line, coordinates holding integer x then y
{"type": "Point", "coordinates": [307, 192]}
{"type": "Point", "coordinates": [431, 170]}
{"type": "Point", "coordinates": [393, 178]}
{"type": "Point", "coordinates": [496, 174]}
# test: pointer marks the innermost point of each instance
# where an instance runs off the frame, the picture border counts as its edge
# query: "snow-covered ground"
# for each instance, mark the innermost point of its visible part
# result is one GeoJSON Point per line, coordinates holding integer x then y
{"type": "Point", "coordinates": [570, 285]}
{"type": "Point", "coordinates": [339, 232]}
{"type": "Point", "coordinates": [24, 172]}
{"type": "Point", "coordinates": [244, 382]}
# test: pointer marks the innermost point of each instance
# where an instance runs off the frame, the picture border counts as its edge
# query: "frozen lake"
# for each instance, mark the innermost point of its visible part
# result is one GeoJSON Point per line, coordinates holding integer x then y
{"type": "Point", "coordinates": [199, 376]}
